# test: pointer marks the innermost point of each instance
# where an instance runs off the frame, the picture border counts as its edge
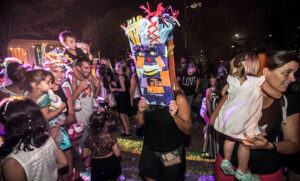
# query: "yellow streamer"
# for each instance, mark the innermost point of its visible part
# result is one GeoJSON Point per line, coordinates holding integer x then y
{"type": "Point", "coordinates": [131, 37]}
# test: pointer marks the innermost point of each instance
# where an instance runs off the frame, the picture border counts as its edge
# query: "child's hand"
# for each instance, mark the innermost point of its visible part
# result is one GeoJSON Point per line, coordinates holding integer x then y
{"type": "Point", "coordinates": [113, 83]}
{"type": "Point", "coordinates": [173, 108]}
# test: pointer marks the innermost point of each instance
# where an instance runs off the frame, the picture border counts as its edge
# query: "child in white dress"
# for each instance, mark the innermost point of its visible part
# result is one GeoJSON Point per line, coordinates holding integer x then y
{"type": "Point", "coordinates": [241, 112]}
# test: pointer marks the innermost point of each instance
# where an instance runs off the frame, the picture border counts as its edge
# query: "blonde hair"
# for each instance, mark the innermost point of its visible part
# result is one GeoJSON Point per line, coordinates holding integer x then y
{"type": "Point", "coordinates": [246, 64]}
{"type": "Point", "coordinates": [106, 59]}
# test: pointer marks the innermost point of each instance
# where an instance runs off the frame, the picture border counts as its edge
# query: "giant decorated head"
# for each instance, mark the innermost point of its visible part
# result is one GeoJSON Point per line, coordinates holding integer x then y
{"type": "Point", "coordinates": [151, 42]}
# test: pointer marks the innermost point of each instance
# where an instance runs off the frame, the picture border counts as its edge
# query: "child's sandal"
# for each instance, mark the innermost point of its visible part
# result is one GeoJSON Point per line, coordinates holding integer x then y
{"type": "Point", "coordinates": [227, 167]}
{"type": "Point", "coordinates": [246, 177]}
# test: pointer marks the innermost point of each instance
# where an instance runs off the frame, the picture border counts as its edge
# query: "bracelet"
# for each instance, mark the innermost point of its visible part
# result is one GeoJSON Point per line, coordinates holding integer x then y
{"type": "Point", "coordinates": [274, 149]}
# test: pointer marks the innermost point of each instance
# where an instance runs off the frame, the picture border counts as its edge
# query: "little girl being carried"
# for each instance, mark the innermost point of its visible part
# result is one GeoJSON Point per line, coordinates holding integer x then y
{"type": "Point", "coordinates": [241, 112]}
{"type": "Point", "coordinates": [105, 164]}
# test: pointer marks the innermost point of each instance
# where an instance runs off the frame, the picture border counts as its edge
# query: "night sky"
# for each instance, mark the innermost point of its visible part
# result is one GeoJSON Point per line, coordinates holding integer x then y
{"type": "Point", "coordinates": [270, 23]}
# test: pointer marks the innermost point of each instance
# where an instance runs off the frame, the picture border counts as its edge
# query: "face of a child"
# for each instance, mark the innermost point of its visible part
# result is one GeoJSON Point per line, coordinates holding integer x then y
{"type": "Point", "coordinates": [70, 43]}
{"type": "Point", "coordinates": [59, 75]}
{"type": "Point", "coordinates": [45, 85]}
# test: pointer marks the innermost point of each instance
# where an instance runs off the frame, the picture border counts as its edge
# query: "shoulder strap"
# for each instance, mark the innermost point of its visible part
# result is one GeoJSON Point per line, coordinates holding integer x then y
{"type": "Point", "coordinates": [284, 104]}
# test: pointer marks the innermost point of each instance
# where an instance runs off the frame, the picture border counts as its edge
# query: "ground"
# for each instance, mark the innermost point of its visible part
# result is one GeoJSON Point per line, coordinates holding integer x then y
{"type": "Point", "coordinates": [196, 170]}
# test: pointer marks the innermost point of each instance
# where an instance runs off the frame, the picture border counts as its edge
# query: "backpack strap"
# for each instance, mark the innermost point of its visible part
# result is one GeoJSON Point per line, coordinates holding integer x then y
{"type": "Point", "coordinates": [284, 104]}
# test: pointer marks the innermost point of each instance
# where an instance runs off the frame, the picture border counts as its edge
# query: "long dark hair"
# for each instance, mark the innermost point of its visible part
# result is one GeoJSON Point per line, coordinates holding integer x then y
{"type": "Point", "coordinates": [221, 81]}
{"type": "Point", "coordinates": [276, 59]}
{"type": "Point", "coordinates": [36, 76]}
{"type": "Point", "coordinates": [24, 125]}
{"type": "Point", "coordinates": [97, 122]}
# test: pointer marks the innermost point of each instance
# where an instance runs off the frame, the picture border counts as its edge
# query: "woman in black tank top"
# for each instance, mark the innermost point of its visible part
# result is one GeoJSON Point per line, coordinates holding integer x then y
{"type": "Point", "coordinates": [64, 93]}
{"type": "Point", "coordinates": [164, 130]}
{"type": "Point", "coordinates": [265, 161]}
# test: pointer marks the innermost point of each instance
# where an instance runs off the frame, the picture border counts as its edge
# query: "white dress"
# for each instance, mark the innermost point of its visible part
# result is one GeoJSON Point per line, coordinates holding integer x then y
{"type": "Point", "coordinates": [40, 163]}
{"type": "Point", "coordinates": [242, 110]}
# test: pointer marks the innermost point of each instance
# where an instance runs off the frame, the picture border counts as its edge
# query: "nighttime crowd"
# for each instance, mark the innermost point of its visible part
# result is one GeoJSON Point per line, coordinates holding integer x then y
{"type": "Point", "coordinates": [56, 117]}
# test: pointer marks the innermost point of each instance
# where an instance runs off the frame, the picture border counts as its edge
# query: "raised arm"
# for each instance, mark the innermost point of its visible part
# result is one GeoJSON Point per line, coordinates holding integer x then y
{"type": "Point", "coordinates": [180, 110]}
{"type": "Point", "coordinates": [141, 114]}
{"type": "Point", "coordinates": [51, 115]}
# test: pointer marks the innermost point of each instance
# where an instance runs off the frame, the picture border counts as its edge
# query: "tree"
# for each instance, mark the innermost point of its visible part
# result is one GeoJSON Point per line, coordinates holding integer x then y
{"type": "Point", "coordinates": [31, 19]}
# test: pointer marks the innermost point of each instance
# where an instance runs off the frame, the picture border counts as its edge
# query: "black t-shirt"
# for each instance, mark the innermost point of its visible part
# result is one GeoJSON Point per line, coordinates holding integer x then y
{"type": "Point", "coordinates": [264, 161]}
{"type": "Point", "coordinates": [188, 83]}
{"type": "Point", "coordinates": [293, 160]}
{"type": "Point", "coordinates": [79, 55]}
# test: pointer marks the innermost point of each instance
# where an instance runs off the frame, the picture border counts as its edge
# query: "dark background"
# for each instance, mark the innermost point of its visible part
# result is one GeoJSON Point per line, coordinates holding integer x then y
{"type": "Point", "coordinates": [210, 29]}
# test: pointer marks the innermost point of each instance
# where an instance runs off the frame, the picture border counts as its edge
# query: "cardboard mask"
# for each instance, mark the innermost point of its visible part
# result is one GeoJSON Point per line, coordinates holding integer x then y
{"type": "Point", "coordinates": [151, 42]}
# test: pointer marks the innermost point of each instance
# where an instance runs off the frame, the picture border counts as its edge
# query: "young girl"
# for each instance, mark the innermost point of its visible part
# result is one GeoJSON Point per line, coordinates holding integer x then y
{"type": "Point", "coordinates": [241, 112]}
{"type": "Point", "coordinates": [37, 84]}
{"type": "Point", "coordinates": [105, 164]}
{"type": "Point", "coordinates": [27, 151]}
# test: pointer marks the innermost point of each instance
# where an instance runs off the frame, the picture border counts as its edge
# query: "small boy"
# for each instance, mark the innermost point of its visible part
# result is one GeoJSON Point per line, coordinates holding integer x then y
{"type": "Point", "coordinates": [68, 40]}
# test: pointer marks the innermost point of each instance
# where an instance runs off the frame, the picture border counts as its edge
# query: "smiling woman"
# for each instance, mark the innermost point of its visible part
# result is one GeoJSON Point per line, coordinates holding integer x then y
{"type": "Point", "coordinates": [265, 151]}
{"type": "Point", "coordinates": [64, 92]}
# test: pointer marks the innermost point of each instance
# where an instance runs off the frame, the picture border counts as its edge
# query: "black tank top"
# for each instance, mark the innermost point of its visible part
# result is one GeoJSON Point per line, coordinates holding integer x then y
{"type": "Point", "coordinates": [161, 132]}
{"type": "Point", "coordinates": [264, 161]}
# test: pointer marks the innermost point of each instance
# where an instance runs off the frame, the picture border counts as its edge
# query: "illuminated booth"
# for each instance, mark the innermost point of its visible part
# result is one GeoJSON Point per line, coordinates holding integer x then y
{"type": "Point", "coordinates": [31, 51]}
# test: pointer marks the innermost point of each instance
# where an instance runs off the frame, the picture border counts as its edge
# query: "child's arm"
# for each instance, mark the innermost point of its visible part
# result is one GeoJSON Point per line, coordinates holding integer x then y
{"type": "Point", "coordinates": [51, 115]}
{"type": "Point", "coordinates": [61, 160]}
{"type": "Point", "coordinates": [116, 150]}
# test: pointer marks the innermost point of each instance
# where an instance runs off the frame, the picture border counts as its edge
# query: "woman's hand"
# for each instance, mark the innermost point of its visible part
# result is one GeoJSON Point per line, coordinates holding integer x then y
{"type": "Point", "coordinates": [112, 89]}
{"type": "Point", "coordinates": [142, 105]}
{"type": "Point", "coordinates": [258, 142]}
{"type": "Point", "coordinates": [113, 83]}
{"type": "Point", "coordinates": [173, 108]}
